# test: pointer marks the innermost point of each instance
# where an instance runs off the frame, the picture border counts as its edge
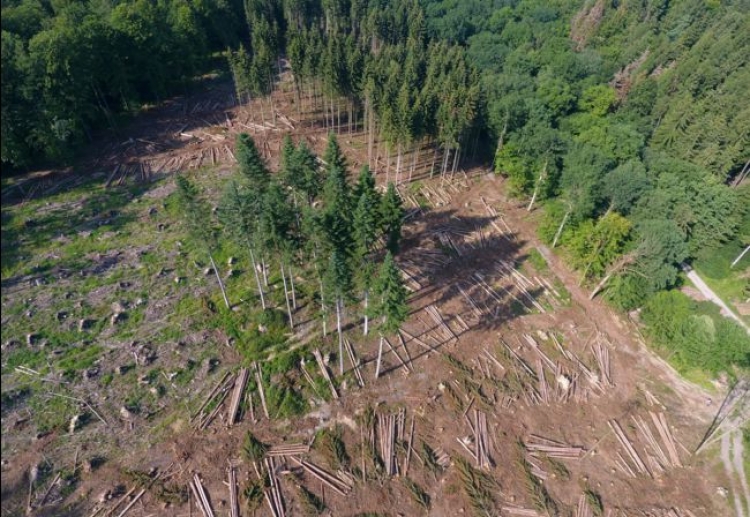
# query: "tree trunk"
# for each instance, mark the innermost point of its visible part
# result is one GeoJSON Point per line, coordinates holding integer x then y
{"type": "Point", "coordinates": [369, 131]}
{"type": "Point", "coordinates": [560, 229]}
{"type": "Point", "coordinates": [265, 271]}
{"type": "Point", "coordinates": [341, 336]}
{"type": "Point", "coordinates": [446, 159]}
{"type": "Point", "coordinates": [536, 187]}
{"type": "Point", "coordinates": [291, 285]}
{"type": "Point", "coordinates": [286, 298]}
{"type": "Point", "coordinates": [398, 164]}
{"type": "Point", "coordinates": [739, 257]}
{"type": "Point", "coordinates": [257, 279]}
{"type": "Point", "coordinates": [388, 163]}
{"type": "Point", "coordinates": [367, 319]}
{"type": "Point", "coordinates": [415, 155]}
{"type": "Point", "coordinates": [380, 357]}
{"type": "Point", "coordinates": [218, 278]}
{"type": "Point", "coordinates": [623, 262]}
{"type": "Point", "coordinates": [434, 159]}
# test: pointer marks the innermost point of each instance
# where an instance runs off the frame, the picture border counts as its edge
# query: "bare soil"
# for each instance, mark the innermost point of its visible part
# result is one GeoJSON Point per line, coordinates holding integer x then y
{"type": "Point", "coordinates": [465, 254]}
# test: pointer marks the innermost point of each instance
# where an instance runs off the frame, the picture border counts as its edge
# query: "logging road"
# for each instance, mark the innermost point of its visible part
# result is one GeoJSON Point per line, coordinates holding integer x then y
{"type": "Point", "coordinates": [712, 296]}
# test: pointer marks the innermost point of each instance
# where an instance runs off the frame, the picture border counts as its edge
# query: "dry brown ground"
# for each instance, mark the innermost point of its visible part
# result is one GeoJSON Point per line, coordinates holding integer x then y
{"type": "Point", "coordinates": [465, 227]}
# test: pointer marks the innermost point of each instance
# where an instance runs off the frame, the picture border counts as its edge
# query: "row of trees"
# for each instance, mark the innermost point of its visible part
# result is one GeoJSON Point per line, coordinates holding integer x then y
{"type": "Point", "coordinates": [310, 218]}
{"type": "Point", "coordinates": [376, 58]}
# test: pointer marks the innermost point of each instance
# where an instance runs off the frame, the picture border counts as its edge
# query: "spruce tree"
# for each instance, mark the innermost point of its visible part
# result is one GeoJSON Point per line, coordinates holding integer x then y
{"type": "Point", "coordinates": [250, 163]}
{"type": "Point", "coordinates": [391, 218]}
{"type": "Point", "coordinates": [364, 233]}
{"type": "Point", "coordinates": [338, 279]}
{"type": "Point", "coordinates": [333, 156]}
{"type": "Point", "coordinates": [307, 166]}
{"type": "Point", "coordinates": [197, 219]}
{"type": "Point", "coordinates": [238, 214]}
{"type": "Point", "coordinates": [391, 296]}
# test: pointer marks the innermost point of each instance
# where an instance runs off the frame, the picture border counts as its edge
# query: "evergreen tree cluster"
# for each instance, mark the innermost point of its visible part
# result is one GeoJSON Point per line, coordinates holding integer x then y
{"type": "Point", "coordinates": [309, 218]}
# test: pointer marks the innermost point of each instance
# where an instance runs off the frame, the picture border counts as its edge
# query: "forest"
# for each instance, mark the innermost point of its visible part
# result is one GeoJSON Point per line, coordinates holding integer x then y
{"type": "Point", "coordinates": [624, 123]}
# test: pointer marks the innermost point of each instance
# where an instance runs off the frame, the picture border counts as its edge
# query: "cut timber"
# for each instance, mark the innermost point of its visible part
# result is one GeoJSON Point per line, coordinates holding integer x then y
{"type": "Point", "coordinates": [537, 445]}
{"type": "Point", "coordinates": [324, 372]}
{"type": "Point", "coordinates": [261, 391]}
{"type": "Point", "coordinates": [387, 435]}
{"type": "Point", "coordinates": [288, 450]}
{"type": "Point", "coordinates": [211, 395]}
{"type": "Point", "coordinates": [234, 505]}
{"type": "Point", "coordinates": [355, 363]}
{"type": "Point", "coordinates": [201, 498]}
{"type": "Point", "coordinates": [239, 389]}
{"type": "Point", "coordinates": [273, 493]}
{"type": "Point", "coordinates": [332, 481]}
{"type": "Point", "coordinates": [628, 446]}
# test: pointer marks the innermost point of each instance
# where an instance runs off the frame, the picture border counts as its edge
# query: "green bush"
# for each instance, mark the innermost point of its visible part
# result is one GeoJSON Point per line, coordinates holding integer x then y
{"type": "Point", "coordinates": [694, 335]}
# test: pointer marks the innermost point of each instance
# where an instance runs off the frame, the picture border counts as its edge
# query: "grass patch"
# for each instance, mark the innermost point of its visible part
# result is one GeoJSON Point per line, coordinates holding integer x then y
{"type": "Point", "coordinates": [478, 487]}
{"type": "Point", "coordinates": [417, 493]}
{"type": "Point", "coordinates": [594, 501]}
{"type": "Point", "coordinates": [538, 261]}
{"type": "Point", "coordinates": [252, 448]}
{"type": "Point", "coordinates": [330, 444]}
{"type": "Point", "coordinates": [540, 497]}
{"type": "Point", "coordinates": [311, 504]}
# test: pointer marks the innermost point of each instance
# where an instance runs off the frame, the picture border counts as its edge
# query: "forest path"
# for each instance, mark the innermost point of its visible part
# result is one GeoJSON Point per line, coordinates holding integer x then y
{"type": "Point", "coordinates": [712, 296]}
{"type": "Point", "coordinates": [732, 453]}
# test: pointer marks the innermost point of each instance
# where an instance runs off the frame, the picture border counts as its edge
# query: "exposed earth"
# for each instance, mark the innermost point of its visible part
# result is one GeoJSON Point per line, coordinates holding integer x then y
{"type": "Point", "coordinates": [499, 331]}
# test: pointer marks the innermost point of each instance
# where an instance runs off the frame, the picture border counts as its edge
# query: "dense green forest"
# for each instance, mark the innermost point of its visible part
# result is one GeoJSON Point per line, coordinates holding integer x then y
{"type": "Point", "coordinates": [626, 122]}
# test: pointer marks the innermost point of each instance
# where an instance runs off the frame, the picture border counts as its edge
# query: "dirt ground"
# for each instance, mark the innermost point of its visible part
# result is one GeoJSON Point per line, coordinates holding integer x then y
{"type": "Point", "coordinates": [490, 335]}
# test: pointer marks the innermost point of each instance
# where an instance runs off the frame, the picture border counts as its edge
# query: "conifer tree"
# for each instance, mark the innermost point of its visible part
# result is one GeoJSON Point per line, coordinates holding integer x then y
{"type": "Point", "coordinates": [391, 301]}
{"type": "Point", "coordinates": [251, 164]}
{"type": "Point", "coordinates": [333, 157]}
{"type": "Point", "coordinates": [240, 217]}
{"type": "Point", "coordinates": [310, 175]}
{"type": "Point", "coordinates": [277, 223]}
{"type": "Point", "coordinates": [391, 218]}
{"type": "Point", "coordinates": [197, 219]}
{"type": "Point", "coordinates": [364, 233]}
{"type": "Point", "coordinates": [338, 279]}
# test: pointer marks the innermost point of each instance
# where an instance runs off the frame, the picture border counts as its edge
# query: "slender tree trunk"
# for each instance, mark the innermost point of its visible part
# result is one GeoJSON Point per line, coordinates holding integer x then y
{"type": "Point", "coordinates": [291, 285]}
{"type": "Point", "coordinates": [415, 155]}
{"type": "Point", "coordinates": [560, 229]}
{"type": "Point", "coordinates": [351, 115]}
{"type": "Point", "coordinates": [398, 164]}
{"type": "Point", "coordinates": [367, 318]}
{"type": "Point", "coordinates": [264, 270]}
{"type": "Point", "coordinates": [369, 131]}
{"type": "Point", "coordinates": [380, 357]}
{"type": "Point", "coordinates": [623, 262]}
{"type": "Point", "coordinates": [286, 298]}
{"type": "Point", "coordinates": [322, 293]}
{"type": "Point", "coordinates": [257, 279]}
{"type": "Point", "coordinates": [446, 159]}
{"type": "Point", "coordinates": [388, 163]}
{"type": "Point", "coordinates": [434, 159]}
{"type": "Point", "coordinates": [739, 257]}
{"type": "Point", "coordinates": [338, 115]}
{"type": "Point", "coordinates": [456, 157]}
{"type": "Point", "coordinates": [218, 279]}
{"type": "Point", "coordinates": [341, 336]}
{"type": "Point", "coordinates": [536, 187]}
